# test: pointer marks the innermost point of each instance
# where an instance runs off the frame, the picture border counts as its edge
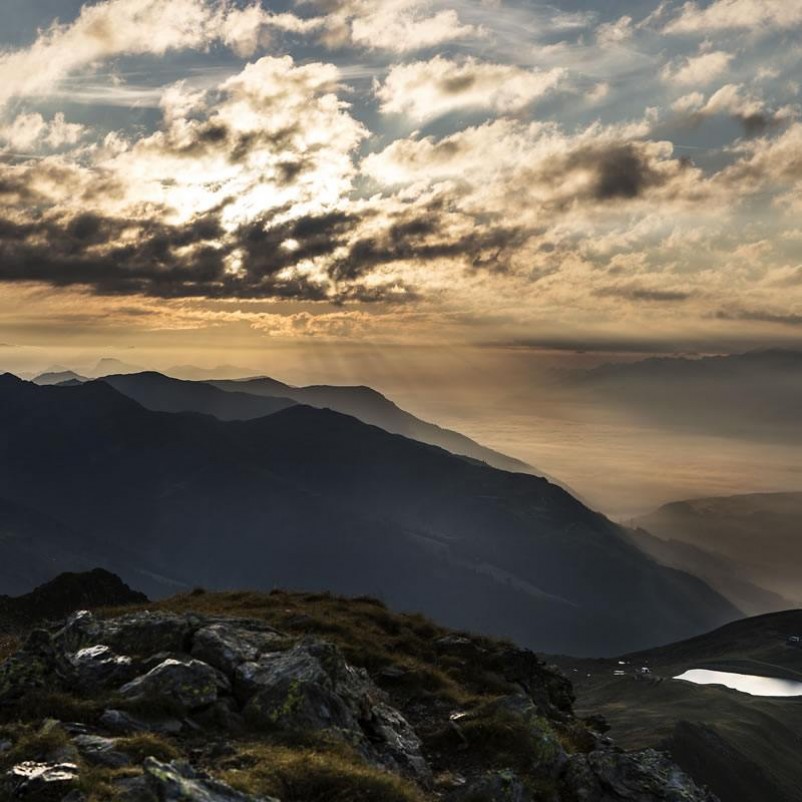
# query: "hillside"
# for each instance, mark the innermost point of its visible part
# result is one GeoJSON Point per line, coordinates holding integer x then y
{"type": "Point", "coordinates": [717, 570]}
{"type": "Point", "coordinates": [759, 534]}
{"type": "Point", "coordinates": [283, 697]}
{"type": "Point", "coordinates": [311, 499]}
{"type": "Point", "coordinates": [744, 747]}
{"type": "Point", "coordinates": [372, 407]}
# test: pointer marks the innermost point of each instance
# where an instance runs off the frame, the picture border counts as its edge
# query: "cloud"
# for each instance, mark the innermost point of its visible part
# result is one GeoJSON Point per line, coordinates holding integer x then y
{"type": "Point", "coordinates": [133, 27]}
{"type": "Point", "coordinates": [761, 316]}
{"type": "Point", "coordinates": [637, 293]}
{"type": "Point", "coordinates": [737, 102]}
{"type": "Point", "coordinates": [748, 109]}
{"type": "Point", "coordinates": [27, 131]}
{"type": "Point", "coordinates": [611, 34]}
{"type": "Point", "coordinates": [698, 70]}
{"type": "Point", "coordinates": [767, 162]}
{"type": "Point", "coordinates": [238, 194]}
{"type": "Point", "coordinates": [539, 165]}
{"type": "Point", "coordinates": [399, 26]}
{"type": "Point", "coordinates": [426, 89]}
{"type": "Point", "coordinates": [736, 15]}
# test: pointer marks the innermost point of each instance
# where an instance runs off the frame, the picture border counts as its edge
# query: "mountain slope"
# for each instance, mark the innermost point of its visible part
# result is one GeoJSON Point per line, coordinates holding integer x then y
{"type": "Point", "coordinates": [758, 533]}
{"type": "Point", "coordinates": [743, 747]}
{"type": "Point", "coordinates": [720, 572]}
{"type": "Point", "coordinates": [164, 394]}
{"type": "Point", "coordinates": [313, 499]}
{"type": "Point", "coordinates": [372, 407]}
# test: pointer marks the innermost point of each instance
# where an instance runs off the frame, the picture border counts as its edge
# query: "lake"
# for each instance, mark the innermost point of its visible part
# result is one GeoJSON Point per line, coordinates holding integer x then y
{"type": "Point", "coordinates": [746, 683]}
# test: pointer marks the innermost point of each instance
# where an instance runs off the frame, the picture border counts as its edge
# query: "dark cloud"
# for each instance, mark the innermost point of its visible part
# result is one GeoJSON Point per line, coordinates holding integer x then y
{"type": "Point", "coordinates": [457, 84]}
{"type": "Point", "coordinates": [424, 235]}
{"type": "Point", "coordinates": [195, 259]}
{"type": "Point", "coordinates": [618, 172]}
{"type": "Point", "coordinates": [591, 345]}
{"type": "Point", "coordinates": [633, 293]}
{"type": "Point", "coordinates": [161, 260]}
{"type": "Point", "coordinates": [759, 316]}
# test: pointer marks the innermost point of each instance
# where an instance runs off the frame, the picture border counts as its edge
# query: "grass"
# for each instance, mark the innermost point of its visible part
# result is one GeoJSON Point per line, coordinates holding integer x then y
{"type": "Point", "coordinates": [35, 744]}
{"type": "Point", "coordinates": [305, 775]}
{"type": "Point", "coordinates": [39, 705]}
{"type": "Point", "coordinates": [147, 744]}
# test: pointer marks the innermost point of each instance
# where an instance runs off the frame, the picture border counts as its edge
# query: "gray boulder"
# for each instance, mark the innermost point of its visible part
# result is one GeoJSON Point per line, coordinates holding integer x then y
{"type": "Point", "coordinates": [189, 684]}
{"type": "Point", "coordinates": [226, 645]}
{"type": "Point", "coordinates": [312, 687]}
{"type": "Point", "coordinates": [40, 782]}
{"type": "Point", "coordinates": [101, 751]}
{"type": "Point", "coordinates": [141, 633]}
{"type": "Point", "coordinates": [178, 782]}
{"type": "Point", "coordinates": [125, 723]}
{"type": "Point", "coordinates": [98, 667]}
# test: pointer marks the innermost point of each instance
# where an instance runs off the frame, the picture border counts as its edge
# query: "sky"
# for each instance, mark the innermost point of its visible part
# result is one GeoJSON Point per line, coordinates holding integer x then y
{"type": "Point", "coordinates": [233, 176]}
{"type": "Point", "coordinates": [444, 200]}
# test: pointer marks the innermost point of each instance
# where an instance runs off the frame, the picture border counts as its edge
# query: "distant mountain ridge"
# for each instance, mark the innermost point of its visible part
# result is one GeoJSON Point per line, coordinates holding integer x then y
{"type": "Point", "coordinates": [756, 395]}
{"type": "Point", "coordinates": [246, 399]}
{"type": "Point", "coordinates": [760, 534]}
{"type": "Point", "coordinates": [313, 499]}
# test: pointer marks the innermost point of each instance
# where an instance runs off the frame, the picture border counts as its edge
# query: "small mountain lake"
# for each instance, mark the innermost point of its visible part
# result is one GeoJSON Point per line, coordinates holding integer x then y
{"type": "Point", "coordinates": [746, 683]}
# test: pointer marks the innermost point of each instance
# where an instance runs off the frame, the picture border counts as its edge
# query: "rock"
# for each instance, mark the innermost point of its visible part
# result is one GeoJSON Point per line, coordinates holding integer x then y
{"type": "Point", "coordinates": [178, 782]}
{"type": "Point", "coordinates": [189, 684]}
{"type": "Point", "coordinates": [80, 630]}
{"type": "Point", "coordinates": [309, 687]}
{"type": "Point", "coordinates": [101, 751]}
{"type": "Point", "coordinates": [614, 776]}
{"type": "Point", "coordinates": [495, 786]}
{"type": "Point", "coordinates": [400, 747]}
{"type": "Point", "coordinates": [226, 645]}
{"type": "Point", "coordinates": [98, 667]}
{"type": "Point", "coordinates": [312, 687]}
{"type": "Point", "coordinates": [41, 782]}
{"type": "Point", "coordinates": [142, 633]}
{"type": "Point", "coordinates": [126, 724]}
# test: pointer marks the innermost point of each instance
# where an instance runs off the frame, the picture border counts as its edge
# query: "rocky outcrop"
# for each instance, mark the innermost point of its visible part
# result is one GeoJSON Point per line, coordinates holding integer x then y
{"type": "Point", "coordinates": [197, 679]}
{"type": "Point", "coordinates": [311, 687]}
{"type": "Point", "coordinates": [614, 776]}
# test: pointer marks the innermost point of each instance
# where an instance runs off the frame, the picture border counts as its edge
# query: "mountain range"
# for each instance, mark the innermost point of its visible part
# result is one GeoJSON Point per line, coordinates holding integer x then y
{"type": "Point", "coordinates": [244, 399]}
{"type": "Point", "coordinates": [313, 499]}
{"type": "Point", "coordinates": [756, 395]}
{"type": "Point", "coordinates": [748, 546]}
